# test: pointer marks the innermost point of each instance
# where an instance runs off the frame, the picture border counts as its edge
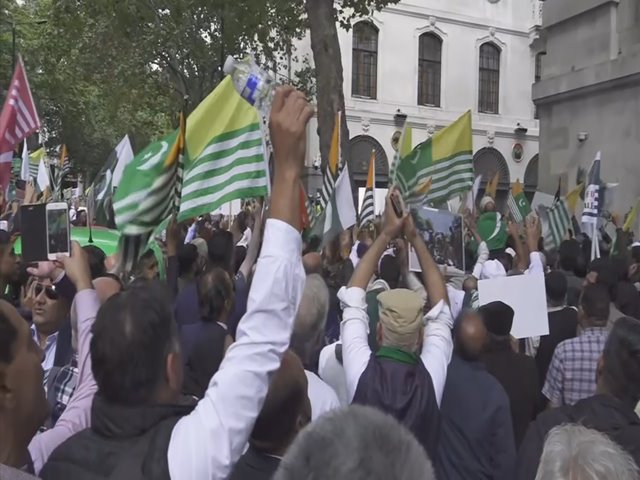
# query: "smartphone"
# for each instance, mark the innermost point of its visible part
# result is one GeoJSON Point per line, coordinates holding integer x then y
{"type": "Point", "coordinates": [33, 232]}
{"type": "Point", "coordinates": [57, 230]}
{"type": "Point", "coordinates": [397, 206]}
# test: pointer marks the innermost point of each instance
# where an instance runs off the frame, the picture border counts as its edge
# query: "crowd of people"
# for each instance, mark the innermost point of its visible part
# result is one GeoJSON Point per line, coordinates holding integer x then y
{"type": "Point", "coordinates": [260, 358]}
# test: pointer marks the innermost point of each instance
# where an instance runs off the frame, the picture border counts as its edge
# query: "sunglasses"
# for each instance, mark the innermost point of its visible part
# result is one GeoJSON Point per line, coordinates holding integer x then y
{"type": "Point", "coordinates": [50, 292]}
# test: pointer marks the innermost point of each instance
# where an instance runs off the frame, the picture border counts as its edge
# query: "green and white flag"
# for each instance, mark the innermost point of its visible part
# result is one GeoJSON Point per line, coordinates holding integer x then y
{"type": "Point", "coordinates": [227, 152]}
{"type": "Point", "coordinates": [518, 204]}
{"type": "Point", "coordinates": [340, 212]}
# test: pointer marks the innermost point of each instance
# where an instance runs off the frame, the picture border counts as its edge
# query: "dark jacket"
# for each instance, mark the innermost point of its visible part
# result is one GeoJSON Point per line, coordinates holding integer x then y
{"type": "Point", "coordinates": [203, 350]}
{"type": "Point", "coordinates": [600, 412]}
{"type": "Point", "coordinates": [255, 465]}
{"type": "Point", "coordinates": [563, 325]}
{"type": "Point", "coordinates": [518, 375]}
{"type": "Point", "coordinates": [476, 436]}
{"type": "Point", "coordinates": [123, 442]}
{"type": "Point", "coordinates": [404, 391]}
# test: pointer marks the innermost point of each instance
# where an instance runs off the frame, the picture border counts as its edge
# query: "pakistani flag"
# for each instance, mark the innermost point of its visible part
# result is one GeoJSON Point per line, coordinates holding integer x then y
{"type": "Point", "coordinates": [518, 204]}
{"type": "Point", "coordinates": [444, 163]}
{"type": "Point", "coordinates": [340, 212]}
{"type": "Point", "coordinates": [228, 158]}
{"type": "Point", "coordinates": [492, 230]}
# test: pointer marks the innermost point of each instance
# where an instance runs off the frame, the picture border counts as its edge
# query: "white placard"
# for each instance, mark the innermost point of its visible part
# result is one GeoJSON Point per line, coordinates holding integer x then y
{"type": "Point", "coordinates": [526, 295]}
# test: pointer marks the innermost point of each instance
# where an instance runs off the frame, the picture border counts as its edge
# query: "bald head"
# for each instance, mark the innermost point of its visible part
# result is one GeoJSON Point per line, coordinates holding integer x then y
{"type": "Point", "coordinates": [471, 336]}
{"type": "Point", "coordinates": [285, 411]}
{"type": "Point", "coordinates": [312, 263]}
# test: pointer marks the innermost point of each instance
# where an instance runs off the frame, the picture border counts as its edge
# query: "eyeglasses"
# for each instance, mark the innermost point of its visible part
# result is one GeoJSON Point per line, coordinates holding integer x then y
{"type": "Point", "coordinates": [49, 291]}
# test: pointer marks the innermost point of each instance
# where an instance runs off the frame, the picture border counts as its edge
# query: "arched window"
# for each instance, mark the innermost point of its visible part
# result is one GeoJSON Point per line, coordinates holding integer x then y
{"type": "Point", "coordinates": [364, 75]}
{"type": "Point", "coordinates": [360, 148]}
{"type": "Point", "coordinates": [489, 84]}
{"type": "Point", "coordinates": [429, 69]}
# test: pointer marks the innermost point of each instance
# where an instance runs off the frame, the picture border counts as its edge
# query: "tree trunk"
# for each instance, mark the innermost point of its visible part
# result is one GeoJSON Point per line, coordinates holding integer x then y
{"type": "Point", "coordinates": [329, 80]}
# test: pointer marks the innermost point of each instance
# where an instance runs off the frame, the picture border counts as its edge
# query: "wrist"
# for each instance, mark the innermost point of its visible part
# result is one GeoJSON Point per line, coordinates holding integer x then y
{"type": "Point", "coordinates": [84, 284]}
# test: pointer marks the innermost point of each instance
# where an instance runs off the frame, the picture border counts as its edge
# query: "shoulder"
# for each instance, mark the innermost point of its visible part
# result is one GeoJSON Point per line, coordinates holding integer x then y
{"type": "Point", "coordinates": [318, 387]}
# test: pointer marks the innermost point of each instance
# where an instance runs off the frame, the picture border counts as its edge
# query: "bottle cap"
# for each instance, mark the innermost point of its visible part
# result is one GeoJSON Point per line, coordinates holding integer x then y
{"type": "Point", "coordinates": [229, 65]}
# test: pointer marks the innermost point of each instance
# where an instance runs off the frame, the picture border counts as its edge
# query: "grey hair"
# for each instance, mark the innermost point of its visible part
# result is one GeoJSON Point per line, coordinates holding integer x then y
{"type": "Point", "coordinates": [574, 451]}
{"type": "Point", "coordinates": [309, 325]}
{"type": "Point", "coordinates": [355, 443]}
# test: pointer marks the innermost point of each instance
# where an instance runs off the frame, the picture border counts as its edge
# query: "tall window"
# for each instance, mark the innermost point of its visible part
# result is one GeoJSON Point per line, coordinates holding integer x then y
{"type": "Point", "coordinates": [489, 85]}
{"type": "Point", "coordinates": [429, 69]}
{"type": "Point", "coordinates": [364, 78]}
{"type": "Point", "coordinates": [537, 78]}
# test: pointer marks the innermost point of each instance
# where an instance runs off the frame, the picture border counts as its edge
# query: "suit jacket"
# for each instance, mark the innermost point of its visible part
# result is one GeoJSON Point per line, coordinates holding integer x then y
{"type": "Point", "coordinates": [64, 351]}
{"type": "Point", "coordinates": [255, 465]}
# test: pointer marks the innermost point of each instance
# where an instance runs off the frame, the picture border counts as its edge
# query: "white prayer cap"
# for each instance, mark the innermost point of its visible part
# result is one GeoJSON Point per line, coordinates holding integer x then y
{"type": "Point", "coordinates": [511, 252]}
{"type": "Point", "coordinates": [492, 269]}
{"type": "Point", "coordinates": [486, 200]}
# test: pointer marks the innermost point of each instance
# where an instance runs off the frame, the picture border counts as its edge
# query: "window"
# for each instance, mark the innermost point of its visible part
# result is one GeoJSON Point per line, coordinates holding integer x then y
{"type": "Point", "coordinates": [364, 78]}
{"type": "Point", "coordinates": [538, 68]}
{"type": "Point", "coordinates": [429, 67]}
{"type": "Point", "coordinates": [489, 85]}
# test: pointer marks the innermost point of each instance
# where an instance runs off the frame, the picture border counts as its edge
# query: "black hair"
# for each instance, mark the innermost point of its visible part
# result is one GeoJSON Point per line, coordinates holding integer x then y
{"type": "Point", "coordinates": [569, 252]}
{"type": "Point", "coordinates": [607, 275]}
{"type": "Point", "coordinates": [556, 286]}
{"type": "Point", "coordinates": [240, 253]}
{"type": "Point", "coordinates": [215, 289]}
{"type": "Point", "coordinates": [96, 261]}
{"type": "Point", "coordinates": [187, 257]}
{"type": "Point", "coordinates": [8, 337]}
{"type": "Point", "coordinates": [241, 220]}
{"type": "Point", "coordinates": [621, 355]}
{"type": "Point", "coordinates": [133, 333]}
{"type": "Point", "coordinates": [595, 303]}
{"type": "Point", "coordinates": [390, 270]}
{"type": "Point", "coordinates": [221, 249]}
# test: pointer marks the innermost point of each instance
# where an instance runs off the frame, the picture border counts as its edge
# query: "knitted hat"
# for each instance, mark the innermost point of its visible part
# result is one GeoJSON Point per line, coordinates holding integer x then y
{"type": "Point", "coordinates": [400, 315]}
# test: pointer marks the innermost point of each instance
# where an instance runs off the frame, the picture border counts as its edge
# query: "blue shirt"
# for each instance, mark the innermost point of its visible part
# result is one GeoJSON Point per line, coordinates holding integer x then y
{"type": "Point", "coordinates": [476, 434]}
{"type": "Point", "coordinates": [49, 350]}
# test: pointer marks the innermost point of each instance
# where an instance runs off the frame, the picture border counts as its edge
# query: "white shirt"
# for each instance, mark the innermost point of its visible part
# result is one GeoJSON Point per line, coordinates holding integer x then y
{"type": "Point", "coordinates": [246, 238]}
{"type": "Point", "coordinates": [354, 330]}
{"type": "Point", "coordinates": [332, 372]}
{"type": "Point", "coordinates": [208, 442]}
{"type": "Point", "coordinates": [323, 398]}
{"type": "Point", "coordinates": [50, 348]}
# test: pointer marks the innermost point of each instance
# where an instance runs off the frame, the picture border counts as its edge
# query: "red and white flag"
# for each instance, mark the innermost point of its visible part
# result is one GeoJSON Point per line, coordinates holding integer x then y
{"type": "Point", "coordinates": [18, 120]}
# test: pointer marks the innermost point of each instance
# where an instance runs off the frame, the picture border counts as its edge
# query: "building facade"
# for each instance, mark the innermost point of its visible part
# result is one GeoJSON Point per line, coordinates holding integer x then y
{"type": "Point", "coordinates": [429, 61]}
{"type": "Point", "coordinates": [588, 96]}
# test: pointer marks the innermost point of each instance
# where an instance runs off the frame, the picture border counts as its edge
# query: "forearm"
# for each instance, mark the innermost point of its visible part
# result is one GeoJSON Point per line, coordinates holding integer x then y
{"type": "Point", "coordinates": [285, 205]}
{"type": "Point", "coordinates": [521, 253]}
{"type": "Point", "coordinates": [367, 266]}
{"type": "Point", "coordinates": [252, 250]}
{"type": "Point", "coordinates": [438, 346]}
{"type": "Point", "coordinates": [431, 276]}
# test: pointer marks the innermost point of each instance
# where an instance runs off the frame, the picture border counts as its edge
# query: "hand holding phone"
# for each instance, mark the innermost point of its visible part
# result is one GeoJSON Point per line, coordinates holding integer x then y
{"type": "Point", "coordinates": [58, 241]}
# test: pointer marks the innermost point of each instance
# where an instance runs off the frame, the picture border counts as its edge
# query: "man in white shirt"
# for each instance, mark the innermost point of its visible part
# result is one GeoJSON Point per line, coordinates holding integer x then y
{"type": "Point", "coordinates": [307, 339]}
{"type": "Point", "coordinates": [406, 376]}
{"type": "Point", "coordinates": [139, 427]}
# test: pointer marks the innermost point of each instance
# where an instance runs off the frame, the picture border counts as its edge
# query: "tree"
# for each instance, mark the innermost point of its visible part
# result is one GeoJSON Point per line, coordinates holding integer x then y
{"type": "Point", "coordinates": [323, 16]}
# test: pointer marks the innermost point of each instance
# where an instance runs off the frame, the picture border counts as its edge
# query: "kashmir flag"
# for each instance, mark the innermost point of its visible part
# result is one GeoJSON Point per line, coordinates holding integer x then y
{"type": "Point", "coordinates": [34, 161]}
{"type": "Point", "coordinates": [631, 216]}
{"type": "Point", "coordinates": [559, 216]}
{"type": "Point", "coordinates": [518, 204]}
{"type": "Point", "coordinates": [340, 212]}
{"type": "Point", "coordinates": [227, 155]}
{"type": "Point", "coordinates": [405, 145]}
{"type": "Point", "coordinates": [44, 176]}
{"type": "Point", "coordinates": [592, 203]}
{"type": "Point", "coordinates": [333, 165]}
{"type": "Point", "coordinates": [62, 169]}
{"type": "Point", "coordinates": [122, 156]}
{"type": "Point", "coordinates": [367, 211]}
{"type": "Point", "coordinates": [18, 120]}
{"type": "Point", "coordinates": [446, 158]}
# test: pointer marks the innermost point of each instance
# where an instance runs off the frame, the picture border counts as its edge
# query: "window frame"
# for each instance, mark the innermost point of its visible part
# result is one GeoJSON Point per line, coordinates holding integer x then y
{"type": "Point", "coordinates": [430, 65]}
{"type": "Point", "coordinates": [364, 61]}
{"type": "Point", "coordinates": [489, 71]}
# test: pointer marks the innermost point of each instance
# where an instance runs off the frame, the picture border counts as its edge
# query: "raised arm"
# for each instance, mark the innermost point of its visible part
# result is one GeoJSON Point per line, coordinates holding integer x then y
{"type": "Point", "coordinates": [77, 415]}
{"type": "Point", "coordinates": [522, 257]}
{"type": "Point", "coordinates": [207, 443]}
{"type": "Point", "coordinates": [254, 245]}
{"type": "Point", "coordinates": [354, 329]}
{"type": "Point", "coordinates": [533, 231]}
{"type": "Point", "coordinates": [437, 345]}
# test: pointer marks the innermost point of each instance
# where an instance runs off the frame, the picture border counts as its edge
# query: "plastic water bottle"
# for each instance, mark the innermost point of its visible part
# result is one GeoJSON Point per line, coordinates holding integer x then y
{"type": "Point", "coordinates": [253, 83]}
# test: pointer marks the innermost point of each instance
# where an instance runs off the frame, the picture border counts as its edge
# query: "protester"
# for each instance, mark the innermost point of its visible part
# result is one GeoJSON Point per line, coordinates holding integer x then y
{"type": "Point", "coordinates": [188, 265]}
{"type": "Point", "coordinates": [573, 451]}
{"type": "Point", "coordinates": [336, 271]}
{"type": "Point", "coordinates": [331, 371]}
{"type": "Point", "coordinates": [602, 271]}
{"type": "Point", "coordinates": [286, 411]}
{"type": "Point", "coordinates": [569, 256]}
{"type": "Point", "coordinates": [138, 427]}
{"type": "Point", "coordinates": [515, 371]}
{"type": "Point", "coordinates": [97, 258]}
{"type": "Point", "coordinates": [476, 440]}
{"type": "Point", "coordinates": [563, 322]}
{"type": "Point", "coordinates": [572, 372]}
{"type": "Point", "coordinates": [205, 343]}
{"type": "Point", "coordinates": [307, 340]}
{"type": "Point", "coordinates": [357, 443]}
{"type": "Point", "coordinates": [147, 266]}
{"type": "Point", "coordinates": [406, 376]}
{"type": "Point", "coordinates": [312, 262]}
{"type": "Point", "coordinates": [609, 411]}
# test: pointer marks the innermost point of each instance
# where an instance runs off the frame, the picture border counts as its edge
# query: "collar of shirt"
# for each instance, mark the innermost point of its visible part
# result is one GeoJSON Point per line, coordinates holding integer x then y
{"type": "Point", "coordinates": [556, 309]}
{"type": "Point", "coordinates": [51, 339]}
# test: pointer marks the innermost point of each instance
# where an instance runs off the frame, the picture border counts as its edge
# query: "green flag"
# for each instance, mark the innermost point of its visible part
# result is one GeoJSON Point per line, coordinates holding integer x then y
{"type": "Point", "coordinates": [518, 204]}
{"type": "Point", "coordinates": [492, 230]}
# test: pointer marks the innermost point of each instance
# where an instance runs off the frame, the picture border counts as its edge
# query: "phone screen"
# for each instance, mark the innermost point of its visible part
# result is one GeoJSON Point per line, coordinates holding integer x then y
{"type": "Point", "coordinates": [57, 231]}
{"type": "Point", "coordinates": [33, 230]}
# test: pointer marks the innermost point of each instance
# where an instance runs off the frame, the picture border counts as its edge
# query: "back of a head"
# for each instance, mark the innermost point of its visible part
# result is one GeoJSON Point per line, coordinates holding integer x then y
{"type": "Point", "coordinates": [620, 373]}
{"type": "Point", "coordinates": [390, 271]}
{"type": "Point", "coordinates": [286, 409]}
{"type": "Point", "coordinates": [309, 325]}
{"type": "Point", "coordinates": [242, 221]}
{"type": "Point", "coordinates": [96, 261]}
{"type": "Point", "coordinates": [133, 333]}
{"type": "Point", "coordinates": [470, 336]}
{"type": "Point", "coordinates": [312, 263]}
{"type": "Point", "coordinates": [578, 453]}
{"type": "Point", "coordinates": [595, 303]}
{"type": "Point", "coordinates": [569, 253]}
{"type": "Point", "coordinates": [187, 258]}
{"type": "Point", "coordinates": [355, 443]}
{"type": "Point", "coordinates": [221, 250]}
{"type": "Point", "coordinates": [498, 318]}
{"type": "Point", "coordinates": [215, 294]}
{"type": "Point", "coordinates": [555, 283]}
{"type": "Point", "coordinates": [628, 300]}
{"type": "Point", "coordinates": [607, 274]}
